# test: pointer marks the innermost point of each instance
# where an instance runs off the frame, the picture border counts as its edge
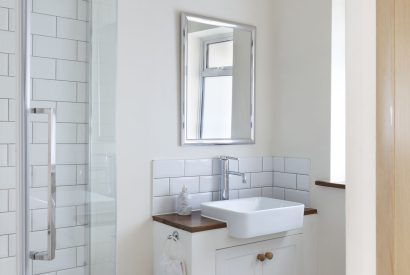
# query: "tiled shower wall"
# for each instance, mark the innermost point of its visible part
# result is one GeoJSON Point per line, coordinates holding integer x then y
{"type": "Point", "coordinates": [7, 139]}
{"type": "Point", "coordinates": [59, 79]}
{"type": "Point", "coordinates": [278, 177]}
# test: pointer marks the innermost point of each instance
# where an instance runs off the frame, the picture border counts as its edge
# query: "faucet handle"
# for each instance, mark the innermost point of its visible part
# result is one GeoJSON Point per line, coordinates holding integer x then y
{"type": "Point", "coordinates": [227, 158]}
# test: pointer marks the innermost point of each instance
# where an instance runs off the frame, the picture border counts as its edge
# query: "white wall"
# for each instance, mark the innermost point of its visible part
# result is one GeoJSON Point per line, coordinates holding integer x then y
{"type": "Point", "coordinates": [301, 119]}
{"type": "Point", "coordinates": [148, 106]}
{"type": "Point", "coordinates": [361, 137]}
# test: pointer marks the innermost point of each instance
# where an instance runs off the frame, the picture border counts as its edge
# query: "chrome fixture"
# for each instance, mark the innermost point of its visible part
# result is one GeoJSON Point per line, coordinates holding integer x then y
{"type": "Point", "coordinates": [49, 255]}
{"type": "Point", "coordinates": [224, 183]}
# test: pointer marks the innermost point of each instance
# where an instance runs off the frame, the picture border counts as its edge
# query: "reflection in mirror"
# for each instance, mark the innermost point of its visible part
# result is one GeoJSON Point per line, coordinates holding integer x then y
{"type": "Point", "coordinates": [217, 81]}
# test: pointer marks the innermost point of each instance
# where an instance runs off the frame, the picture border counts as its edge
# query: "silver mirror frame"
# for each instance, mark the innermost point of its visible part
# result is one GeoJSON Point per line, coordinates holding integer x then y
{"type": "Point", "coordinates": [185, 17]}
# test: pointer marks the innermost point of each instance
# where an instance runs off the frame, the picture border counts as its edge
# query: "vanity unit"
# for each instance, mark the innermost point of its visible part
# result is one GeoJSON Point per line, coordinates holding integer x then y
{"type": "Point", "coordinates": [210, 250]}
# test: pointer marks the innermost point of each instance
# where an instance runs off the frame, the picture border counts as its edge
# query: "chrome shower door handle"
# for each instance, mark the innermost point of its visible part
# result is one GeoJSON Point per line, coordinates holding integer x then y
{"type": "Point", "coordinates": [49, 255]}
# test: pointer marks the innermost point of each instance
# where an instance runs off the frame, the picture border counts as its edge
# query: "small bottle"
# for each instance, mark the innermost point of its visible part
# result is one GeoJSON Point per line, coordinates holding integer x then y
{"type": "Point", "coordinates": [184, 206]}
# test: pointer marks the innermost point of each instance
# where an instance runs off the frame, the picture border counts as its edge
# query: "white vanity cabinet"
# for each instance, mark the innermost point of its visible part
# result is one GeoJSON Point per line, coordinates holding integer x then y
{"type": "Point", "coordinates": [286, 253]}
{"type": "Point", "coordinates": [214, 252]}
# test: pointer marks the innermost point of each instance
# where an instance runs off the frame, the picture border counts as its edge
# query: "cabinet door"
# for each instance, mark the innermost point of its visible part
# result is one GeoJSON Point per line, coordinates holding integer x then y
{"type": "Point", "coordinates": [286, 256]}
{"type": "Point", "coordinates": [241, 260]}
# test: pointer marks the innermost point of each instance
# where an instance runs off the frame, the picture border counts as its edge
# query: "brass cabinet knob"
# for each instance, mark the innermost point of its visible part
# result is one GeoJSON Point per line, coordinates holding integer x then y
{"type": "Point", "coordinates": [260, 257]}
{"type": "Point", "coordinates": [269, 255]}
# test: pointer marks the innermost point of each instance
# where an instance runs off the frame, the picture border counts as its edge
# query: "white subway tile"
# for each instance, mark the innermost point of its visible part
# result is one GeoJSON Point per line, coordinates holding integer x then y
{"type": "Point", "coordinates": [236, 182]}
{"type": "Point", "coordinates": [12, 20]}
{"type": "Point", "coordinates": [66, 133]}
{"type": "Point", "coordinates": [12, 245]}
{"type": "Point", "coordinates": [65, 217]}
{"type": "Point", "coordinates": [284, 180]}
{"type": "Point", "coordinates": [267, 192]}
{"type": "Point", "coordinates": [3, 155]}
{"type": "Point", "coordinates": [38, 198]}
{"type": "Point", "coordinates": [303, 182]}
{"type": "Point", "coordinates": [71, 29]}
{"type": "Point", "coordinates": [72, 112]}
{"type": "Point", "coordinates": [12, 200]}
{"type": "Point", "coordinates": [54, 90]}
{"type": "Point", "coordinates": [82, 92]}
{"type": "Point", "coordinates": [267, 163]}
{"type": "Point", "coordinates": [233, 194]}
{"type": "Point", "coordinates": [198, 167]}
{"type": "Point", "coordinates": [262, 179]}
{"type": "Point", "coordinates": [278, 164]}
{"type": "Point", "coordinates": [38, 154]}
{"type": "Point", "coordinates": [8, 87]}
{"type": "Point", "coordinates": [12, 65]}
{"type": "Point", "coordinates": [12, 110]}
{"type": "Point", "coordinates": [160, 187]}
{"type": "Point", "coordinates": [249, 193]}
{"type": "Point", "coordinates": [7, 3]}
{"type": "Point", "coordinates": [4, 19]}
{"type": "Point", "coordinates": [250, 164]}
{"type": "Point", "coordinates": [71, 70]}
{"type": "Point", "coordinates": [82, 133]}
{"type": "Point", "coordinates": [64, 8]}
{"type": "Point", "coordinates": [278, 193]}
{"type": "Point", "coordinates": [82, 215]}
{"type": "Point", "coordinates": [4, 245]}
{"type": "Point", "coordinates": [297, 165]}
{"type": "Point", "coordinates": [82, 174]}
{"type": "Point", "coordinates": [82, 51]}
{"type": "Point", "coordinates": [71, 154]}
{"type": "Point", "coordinates": [216, 166]}
{"type": "Point", "coordinates": [4, 200]}
{"type": "Point", "coordinates": [168, 168]}
{"type": "Point", "coordinates": [197, 199]}
{"type": "Point", "coordinates": [8, 132]}
{"type": "Point", "coordinates": [4, 109]}
{"type": "Point", "coordinates": [8, 42]}
{"type": "Point", "coordinates": [43, 24]}
{"type": "Point", "coordinates": [7, 223]}
{"type": "Point", "coordinates": [191, 183]}
{"type": "Point", "coordinates": [39, 176]}
{"type": "Point", "coordinates": [8, 265]}
{"type": "Point", "coordinates": [70, 237]}
{"type": "Point", "coordinates": [297, 196]}
{"type": "Point", "coordinates": [51, 47]}
{"type": "Point", "coordinates": [163, 205]}
{"type": "Point", "coordinates": [43, 68]}
{"type": "Point", "coordinates": [4, 64]}
{"type": "Point", "coordinates": [65, 259]}
{"type": "Point", "coordinates": [82, 10]}
{"type": "Point", "coordinates": [66, 175]}
{"type": "Point", "coordinates": [209, 183]}
{"type": "Point", "coordinates": [81, 252]}
{"type": "Point", "coordinates": [71, 195]}
{"type": "Point", "coordinates": [8, 177]}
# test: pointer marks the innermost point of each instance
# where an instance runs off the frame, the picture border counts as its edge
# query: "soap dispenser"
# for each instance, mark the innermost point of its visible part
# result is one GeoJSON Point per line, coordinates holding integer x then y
{"type": "Point", "coordinates": [184, 206]}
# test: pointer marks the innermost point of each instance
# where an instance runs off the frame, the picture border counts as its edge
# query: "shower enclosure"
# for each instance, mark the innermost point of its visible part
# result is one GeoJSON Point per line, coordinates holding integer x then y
{"type": "Point", "coordinates": [67, 199]}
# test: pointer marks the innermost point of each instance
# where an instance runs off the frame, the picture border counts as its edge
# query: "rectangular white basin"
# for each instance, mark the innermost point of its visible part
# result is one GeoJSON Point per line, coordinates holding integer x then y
{"type": "Point", "coordinates": [252, 217]}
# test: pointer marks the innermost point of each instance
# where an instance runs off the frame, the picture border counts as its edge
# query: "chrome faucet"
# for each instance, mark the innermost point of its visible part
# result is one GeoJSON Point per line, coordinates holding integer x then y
{"type": "Point", "coordinates": [224, 183]}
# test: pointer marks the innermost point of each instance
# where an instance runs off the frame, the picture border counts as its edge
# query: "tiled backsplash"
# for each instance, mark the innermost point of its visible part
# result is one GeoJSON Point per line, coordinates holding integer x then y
{"type": "Point", "coordinates": [8, 139]}
{"type": "Point", "coordinates": [278, 177]}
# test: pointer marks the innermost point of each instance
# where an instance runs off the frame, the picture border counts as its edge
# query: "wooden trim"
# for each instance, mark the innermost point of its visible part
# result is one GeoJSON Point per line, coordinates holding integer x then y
{"type": "Point", "coordinates": [385, 156]}
{"type": "Point", "coordinates": [310, 211]}
{"type": "Point", "coordinates": [330, 184]}
{"type": "Point", "coordinates": [196, 223]}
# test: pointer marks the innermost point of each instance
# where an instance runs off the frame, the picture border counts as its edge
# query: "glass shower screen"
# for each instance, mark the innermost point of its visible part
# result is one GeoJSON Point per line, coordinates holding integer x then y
{"type": "Point", "coordinates": [70, 204]}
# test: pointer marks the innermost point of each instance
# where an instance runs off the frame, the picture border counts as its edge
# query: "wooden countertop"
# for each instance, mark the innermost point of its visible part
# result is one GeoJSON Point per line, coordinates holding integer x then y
{"type": "Point", "coordinates": [196, 223]}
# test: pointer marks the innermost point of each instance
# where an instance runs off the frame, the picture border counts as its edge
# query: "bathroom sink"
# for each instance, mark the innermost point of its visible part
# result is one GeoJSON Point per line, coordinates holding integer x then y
{"type": "Point", "coordinates": [252, 217]}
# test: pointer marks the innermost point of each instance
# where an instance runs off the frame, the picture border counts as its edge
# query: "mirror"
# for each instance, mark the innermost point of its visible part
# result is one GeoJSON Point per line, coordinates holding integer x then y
{"type": "Point", "coordinates": [217, 81]}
